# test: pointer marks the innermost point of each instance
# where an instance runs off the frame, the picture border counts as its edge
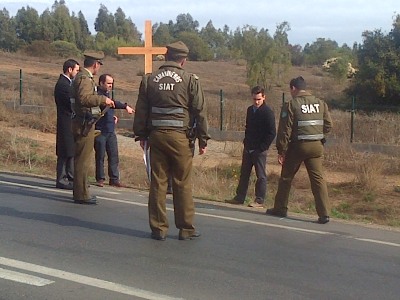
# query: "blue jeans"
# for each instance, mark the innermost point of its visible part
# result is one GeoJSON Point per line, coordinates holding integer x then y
{"type": "Point", "coordinates": [107, 143]}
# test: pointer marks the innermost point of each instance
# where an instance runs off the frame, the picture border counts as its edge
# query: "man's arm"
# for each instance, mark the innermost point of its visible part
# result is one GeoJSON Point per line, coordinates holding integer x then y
{"type": "Point", "coordinates": [140, 122]}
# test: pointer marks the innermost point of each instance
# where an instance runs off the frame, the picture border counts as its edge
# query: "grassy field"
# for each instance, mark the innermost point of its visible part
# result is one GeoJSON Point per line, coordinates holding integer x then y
{"type": "Point", "coordinates": [362, 185]}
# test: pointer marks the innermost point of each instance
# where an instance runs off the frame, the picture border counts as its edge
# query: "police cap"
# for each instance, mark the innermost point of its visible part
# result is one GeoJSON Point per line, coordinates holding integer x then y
{"type": "Point", "coordinates": [178, 49]}
{"type": "Point", "coordinates": [96, 55]}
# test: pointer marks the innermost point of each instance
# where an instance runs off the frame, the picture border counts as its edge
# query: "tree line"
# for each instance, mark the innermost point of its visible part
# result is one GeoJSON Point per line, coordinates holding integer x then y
{"type": "Point", "coordinates": [268, 56]}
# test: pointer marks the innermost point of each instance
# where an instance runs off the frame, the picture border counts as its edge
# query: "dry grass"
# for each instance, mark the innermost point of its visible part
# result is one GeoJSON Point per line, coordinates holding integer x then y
{"type": "Point", "coordinates": [361, 185]}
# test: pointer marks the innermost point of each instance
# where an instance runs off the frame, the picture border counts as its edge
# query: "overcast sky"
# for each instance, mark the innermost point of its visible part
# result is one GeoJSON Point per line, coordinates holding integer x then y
{"type": "Point", "coordinates": [340, 20]}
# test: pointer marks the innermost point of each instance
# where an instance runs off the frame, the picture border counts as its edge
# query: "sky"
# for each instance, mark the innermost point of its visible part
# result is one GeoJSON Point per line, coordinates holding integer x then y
{"type": "Point", "coordinates": [342, 21]}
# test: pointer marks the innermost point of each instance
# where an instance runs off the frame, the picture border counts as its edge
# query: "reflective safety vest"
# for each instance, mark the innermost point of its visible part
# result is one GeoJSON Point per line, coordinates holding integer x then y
{"type": "Point", "coordinates": [168, 89]}
{"type": "Point", "coordinates": [308, 118]}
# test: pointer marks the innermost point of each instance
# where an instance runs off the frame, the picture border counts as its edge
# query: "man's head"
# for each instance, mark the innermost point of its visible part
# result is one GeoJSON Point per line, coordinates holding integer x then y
{"type": "Point", "coordinates": [106, 82]}
{"type": "Point", "coordinates": [177, 52]}
{"type": "Point", "coordinates": [93, 60]}
{"type": "Point", "coordinates": [258, 95]}
{"type": "Point", "coordinates": [297, 84]}
{"type": "Point", "coordinates": [70, 68]}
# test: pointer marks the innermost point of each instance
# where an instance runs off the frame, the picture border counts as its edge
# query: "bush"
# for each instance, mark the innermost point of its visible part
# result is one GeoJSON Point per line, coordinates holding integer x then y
{"type": "Point", "coordinates": [39, 49]}
{"type": "Point", "coordinates": [65, 49]}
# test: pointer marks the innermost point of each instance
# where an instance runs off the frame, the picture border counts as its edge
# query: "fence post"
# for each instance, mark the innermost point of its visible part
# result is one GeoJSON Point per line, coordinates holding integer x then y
{"type": "Point", "coordinates": [20, 86]}
{"type": "Point", "coordinates": [221, 117]}
{"type": "Point", "coordinates": [283, 98]}
{"type": "Point", "coordinates": [352, 120]}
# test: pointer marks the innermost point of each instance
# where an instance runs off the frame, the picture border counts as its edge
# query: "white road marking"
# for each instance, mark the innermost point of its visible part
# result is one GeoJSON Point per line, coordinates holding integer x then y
{"type": "Point", "coordinates": [98, 283]}
{"type": "Point", "coordinates": [220, 217]}
{"type": "Point", "coordinates": [23, 278]}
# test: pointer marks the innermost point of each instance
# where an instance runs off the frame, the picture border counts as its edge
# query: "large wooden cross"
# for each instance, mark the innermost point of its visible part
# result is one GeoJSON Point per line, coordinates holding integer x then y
{"type": "Point", "coordinates": [148, 50]}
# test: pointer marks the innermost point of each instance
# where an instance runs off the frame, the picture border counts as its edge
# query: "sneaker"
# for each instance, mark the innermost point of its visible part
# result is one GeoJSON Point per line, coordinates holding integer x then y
{"type": "Point", "coordinates": [273, 212]}
{"type": "Point", "coordinates": [100, 183]}
{"type": "Point", "coordinates": [234, 201]}
{"type": "Point", "coordinates": [255, 204]}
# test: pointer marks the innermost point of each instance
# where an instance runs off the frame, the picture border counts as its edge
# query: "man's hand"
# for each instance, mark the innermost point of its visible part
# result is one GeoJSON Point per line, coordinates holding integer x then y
{"type": "Point", "coordinates": [115, 119]}
{"type": "Point", "coordinates": [129, 109]}
{"type": "Point", "coordinates": [143, 144]}
{"type": "Point", "coordinates": [110, 102]}
{"type": "Point", "coordinates": [281, 158]}
{"type": "Point", "coordinates": [202, 150]}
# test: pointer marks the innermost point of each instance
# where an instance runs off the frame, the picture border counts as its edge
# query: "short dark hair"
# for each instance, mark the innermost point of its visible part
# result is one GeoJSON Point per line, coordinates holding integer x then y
{"type": "Point", "coordinates": [103, 77]}
{"type": "Point", "coordinates": [69, 63]}
{"type": "Point", "coordinates": [298, 82]}
{"type": "Point", "coordinates": [258, 90]}
{"type": "Point", "coordinates": [89, 61]}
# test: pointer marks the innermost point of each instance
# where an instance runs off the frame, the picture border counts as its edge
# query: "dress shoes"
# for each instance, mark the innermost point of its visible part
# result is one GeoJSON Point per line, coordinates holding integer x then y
{"type": "Point", "coordinates": [234, 201]}
{"type": "Point", "coordinates": [68, 186]}
{"type": "Point", "coordinates": [273, 212]}
{"type": "Point", "coordinates": [158, 237]}
{"type": "Point", "coordinates": [192, 236]}
{"type": "Point", "coordinates": [117, 184]}
{"type": "Point", "coordinates": [100, 183]}
{"type": "Point", "coordinates": [255, 204]}
{"type": "Point", "coordinates": [323, 220]}
{"type": "Point", "coordinates": [91, 201]}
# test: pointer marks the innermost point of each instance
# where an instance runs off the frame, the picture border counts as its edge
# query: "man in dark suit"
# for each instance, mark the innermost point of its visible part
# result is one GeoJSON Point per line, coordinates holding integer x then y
{"type": "Point", "coordinates": [65, 148]}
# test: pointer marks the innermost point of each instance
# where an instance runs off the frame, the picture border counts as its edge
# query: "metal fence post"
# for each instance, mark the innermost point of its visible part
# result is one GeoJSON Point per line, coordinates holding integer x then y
{"type": "Point", "coordinates": [352, 120]}
{"type": "Point", "coordinates": [20, 86]}
{"type": "Point", "coordinates": [221, 99]}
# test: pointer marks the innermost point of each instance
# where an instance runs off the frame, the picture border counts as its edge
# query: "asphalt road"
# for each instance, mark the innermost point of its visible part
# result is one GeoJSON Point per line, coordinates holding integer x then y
{"type": "Point", "coordinates": [51, 248]}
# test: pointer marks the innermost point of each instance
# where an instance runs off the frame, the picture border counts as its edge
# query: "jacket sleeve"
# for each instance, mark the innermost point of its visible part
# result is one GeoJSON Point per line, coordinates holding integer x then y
{"type": "Point", "coordinates": [327, 119]}
{"type": "Point", "coordinates": [198, 109]}
{"type": "Point", "coordinates": [269, 130]}
{"type": "Point", "coordinates": [286, 118]}
{"type": "Point", "coordinates": [141, 119]}
{"type": "Point", "coordinates": [87, 96]}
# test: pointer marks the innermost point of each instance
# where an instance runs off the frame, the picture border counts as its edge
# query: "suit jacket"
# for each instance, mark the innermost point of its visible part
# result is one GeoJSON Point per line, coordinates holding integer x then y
{"type": "Point", "coordinates": [65, 145]}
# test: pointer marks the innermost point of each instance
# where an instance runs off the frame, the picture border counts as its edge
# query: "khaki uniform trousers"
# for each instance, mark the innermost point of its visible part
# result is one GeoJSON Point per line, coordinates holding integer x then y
{"type": "Point", "coordinates": [311, 153]}
{"type": "Point", "coordinates": [82, 160]}
{"type": "Point", "coordinates": [170, 154]}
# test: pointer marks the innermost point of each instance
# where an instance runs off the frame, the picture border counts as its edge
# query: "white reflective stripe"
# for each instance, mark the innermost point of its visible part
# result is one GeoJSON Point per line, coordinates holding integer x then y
{"type": "Point", "coordinates": [310, 123]}
{"type": "Point", "coordinates": [311, 137]}
{"type": "Point", "coordinates": [167, 110]}
{"type": "Point", "coordinates": [168, 123]}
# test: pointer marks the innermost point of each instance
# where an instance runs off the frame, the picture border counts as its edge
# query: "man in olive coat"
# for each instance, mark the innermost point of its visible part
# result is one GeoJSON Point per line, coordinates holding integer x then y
{"type": "Point", "coordinates": [86, 103]}
{"type": "Point", "coordinates": [65, 146]}
{"type": "Point", "coordinates": [169, 101]}
{"type": "Point", "coordinates": [303, 123]}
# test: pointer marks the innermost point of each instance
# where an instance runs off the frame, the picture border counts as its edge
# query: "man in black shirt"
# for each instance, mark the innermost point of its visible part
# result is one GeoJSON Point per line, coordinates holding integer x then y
{"type": "Point", "coordinates": [259, 134]}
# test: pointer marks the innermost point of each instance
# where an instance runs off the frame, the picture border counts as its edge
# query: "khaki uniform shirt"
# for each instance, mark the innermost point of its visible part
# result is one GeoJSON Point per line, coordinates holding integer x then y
{"type": "Point", "coordinates": [305, 117]}
{"type": "Point", "coordinates": [85, 93]}
{"type": "Point", "coordinates": [171, 98]}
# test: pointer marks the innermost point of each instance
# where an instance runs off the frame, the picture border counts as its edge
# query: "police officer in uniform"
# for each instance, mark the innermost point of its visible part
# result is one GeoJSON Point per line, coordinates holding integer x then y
{"type": "Point", "coordinates": [86, 105]}
{"type": "Point", "coordinates": [303, 123]}
{"type": "Point", "coordinates": [169, 101]}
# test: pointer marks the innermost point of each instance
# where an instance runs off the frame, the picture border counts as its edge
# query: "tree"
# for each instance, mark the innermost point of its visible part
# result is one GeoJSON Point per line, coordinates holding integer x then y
{"type": "Point", "coordinates": [184, 23]}
{"type": "Point", "coordinates": [377, 81]}
{"type": "Point", "coordinates": [64, 29]}
{"type": "Point", "coordinates": [48, 28]}
{"type": "Point", "coordinates": [27, 23]}
{"type": "Point", "coordinates": [8, 39]}
{"type": "Point", "coordinates": [198, 49]}
{"type": "Point", "coordinates": [281, 52]}
{"type": "Point", "coordinates": [161, 34]}
{"type": "Point", "coordinates": [105, 22]}
{"type": "Point", "coordinates": [126, 29]}
{"type": "Point", "coordinates": [214, 39]}
{"type": "Point", "coordinates": [320, 51]}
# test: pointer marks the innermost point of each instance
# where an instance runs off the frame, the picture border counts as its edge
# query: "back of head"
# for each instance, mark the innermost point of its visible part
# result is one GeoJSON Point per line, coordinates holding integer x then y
{"type": "Point", "coordinates": [299, 83]}
{"type": "Point", "coordinates": [91, 57]}
{"type": "Point", "coordinates": [176, 51]}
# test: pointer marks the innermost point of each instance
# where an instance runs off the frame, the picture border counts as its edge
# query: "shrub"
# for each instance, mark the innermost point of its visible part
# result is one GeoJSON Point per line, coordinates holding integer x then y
{"type": "Point", "coordinates": [65, 49]}
{"type": "Point", "coordinates": [39, 49]}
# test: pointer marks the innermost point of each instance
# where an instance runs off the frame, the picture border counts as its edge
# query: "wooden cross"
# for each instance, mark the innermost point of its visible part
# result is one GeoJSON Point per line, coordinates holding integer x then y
{"type": "Point", "coordinates": [148, 50]}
